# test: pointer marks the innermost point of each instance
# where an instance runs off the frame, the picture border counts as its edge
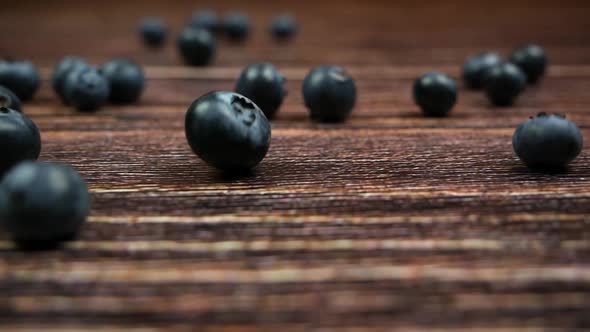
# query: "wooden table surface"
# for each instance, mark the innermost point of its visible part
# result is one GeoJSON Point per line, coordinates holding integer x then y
{"type": "Point", "coordinates": [389, 221]}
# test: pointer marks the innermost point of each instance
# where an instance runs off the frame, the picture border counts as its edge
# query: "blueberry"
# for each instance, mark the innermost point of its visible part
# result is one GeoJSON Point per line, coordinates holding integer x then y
{"type": "Point", "coordinates": [19, 139]}
{"type": "Point", "coordinates": [205, 19]}
{"type": "Point", "coordinates": [504, 83]}
{"type": "Point", "coordinates": [86, 89]}
{"type": "Point", "coordinates": [476, 67]}
{"type": "Point", "coordinates": [236, 25]}
{"type": "Point", "coordinates": [547, 141]}
{"type": "Point", "coordinates": [283, 26]}
{"type": "Point", "coordinates": [435, 94]}
{"type": "Point", "coordinates": [61, 71]}
{"type": "Point", "coordinates": [197, 46]}
{"type": "Point", "coordinates": [153, 31]}
{"type": "Point", "coordinates": [263, 84]}
{"type": "Point", "coordinates": [532, 61]}
{"type": "Point", "coordinates": [227, 130]}
{"type": "Point", "coordinates": [329, 93]}
{"type": "Point", "coordinates": [21, 77]}
{"type": "Point", "coordinates": [43, 204]}
{"type": "Point", "coordinates": [9, 100]}
{"type": "Point", "coordinates": [125, 78]}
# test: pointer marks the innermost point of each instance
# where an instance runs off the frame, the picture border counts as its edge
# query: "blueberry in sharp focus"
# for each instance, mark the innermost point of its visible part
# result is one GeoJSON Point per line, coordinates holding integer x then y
{"type": "Point", "coordinates": [86, 89]}
{"type": "Point", "coordinates": [547, 141]}
{"type": "Point", "coordinates": [9, 100]}
{"type": "Point", "coordinates": [435, 94]}
{"type": "Point", "coordinates": [532, 61]}
{"type": "Point", "coordinates": [19, 139]}
{"type": "Point", "coordinates": [264, 85]}
{"type": "Point", "coordinates": [61, 71]}
{"type": "Point", "coordinates": [504, 82]}
{"type": "Point", "coordinates": [21, 77]}
{"type": "Point", "coordinates": [228, 131]}
{"type": "Point", "coordinates": [196, 46]}
{"type": "Point", "coordinates": [329, 93]}
{"type": "Point", "coordinates": [153, 31]}
{"type": "Point", "coordinates": [43, 204]}
{"type": "Point", "coordinates": [476, 67]}
{"type": "Point", "coordinates": [205, 19]}
{"type": "Point", "coordinates": [283, 26]}
{"type": "Point", "coordinates": [236, 25]}
{"type": "Point", "coordinates": [126, 80]}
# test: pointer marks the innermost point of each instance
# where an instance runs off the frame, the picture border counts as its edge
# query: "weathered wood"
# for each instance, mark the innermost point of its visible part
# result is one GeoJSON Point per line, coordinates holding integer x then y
{"type": "Point", "coordinates": [389, 221]}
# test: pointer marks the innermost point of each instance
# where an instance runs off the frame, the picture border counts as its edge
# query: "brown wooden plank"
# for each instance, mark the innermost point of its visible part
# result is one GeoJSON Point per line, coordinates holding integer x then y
{"type": "Point", "coordinates": [375, 33]}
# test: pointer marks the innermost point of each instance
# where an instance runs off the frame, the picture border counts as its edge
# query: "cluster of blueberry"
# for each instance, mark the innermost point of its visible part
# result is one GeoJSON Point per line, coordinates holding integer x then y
{"type": "Point", "coordinates": [503, 81]}
{"type": "Point", "coordinates": [197, 41]}
{"type": "Point", "coordinates": [77, 83]}
{"type": "Point", "coordinates": [228, 130]}
{"type": "Point", "coordinates": [545, 141]}
{"type": "Point", "coordinates": [33, 195]}
{"type": "Point", "coordinates": [237, 122]}
{"type": "Point", "coordinates": [120, 81]}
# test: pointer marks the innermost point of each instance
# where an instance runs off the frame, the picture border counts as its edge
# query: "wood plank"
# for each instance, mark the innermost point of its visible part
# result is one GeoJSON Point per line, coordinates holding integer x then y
{"type": "Point", "coordinates": [378, 172]}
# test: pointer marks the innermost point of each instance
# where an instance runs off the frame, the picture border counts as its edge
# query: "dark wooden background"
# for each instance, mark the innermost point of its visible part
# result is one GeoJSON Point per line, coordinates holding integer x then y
{"type": "Point", "coordinates": [389, 221]}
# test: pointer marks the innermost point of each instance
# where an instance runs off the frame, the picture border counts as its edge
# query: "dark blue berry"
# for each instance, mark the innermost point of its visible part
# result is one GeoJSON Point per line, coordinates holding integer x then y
{"type": "Point", "coordinates": [197, 46]}
{"type": "Point", "coordinates": [476, 67]}
{"type": "Point", "coordinates": [283, 26]}
{"type": "Point", "coordinates": [329, 93]}
{"type": "Point", "coordinates": [19, 139]}
{"type": "Point", "coordinates": [264, 85]}
{"type": "Point", "coordinates": [153, 31]}
{"type": "Point", "coordinates": [531, 60]}
{"type": "Point", "coordinates": [435, 94]}
{"type": "Point", "coordinates": [43, 204]}
{"type": "Point", "coordinates": [126, 79]}
{"type": "Point", "coordinates": [61, 71]}
{"type": "Point", "coordinates": [9, 100]}
{"type": "Point", "coordinates": [86, 89]}
{"type": "Point", "coordinates": [236, 25]}
{"type": "Point", "coordinates": [205, 19]}
{"type": "Point", "coordinates": [21, 77]}
{"type": "Point", "coordinates": [228, 131]}
{"type": "Point", "coordinates": [547, 141]}
{"type": "Point", "coordinates": [504, 83]}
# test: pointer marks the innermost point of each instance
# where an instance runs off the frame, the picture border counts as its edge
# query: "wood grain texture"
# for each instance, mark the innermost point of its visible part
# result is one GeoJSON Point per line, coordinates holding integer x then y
{"type": "Point", "coordinates": [390, 221]}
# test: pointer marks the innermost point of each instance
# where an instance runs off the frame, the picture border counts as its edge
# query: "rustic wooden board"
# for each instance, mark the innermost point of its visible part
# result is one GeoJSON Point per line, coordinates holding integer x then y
{"type": "Point", "coordinates": [390, 221]}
